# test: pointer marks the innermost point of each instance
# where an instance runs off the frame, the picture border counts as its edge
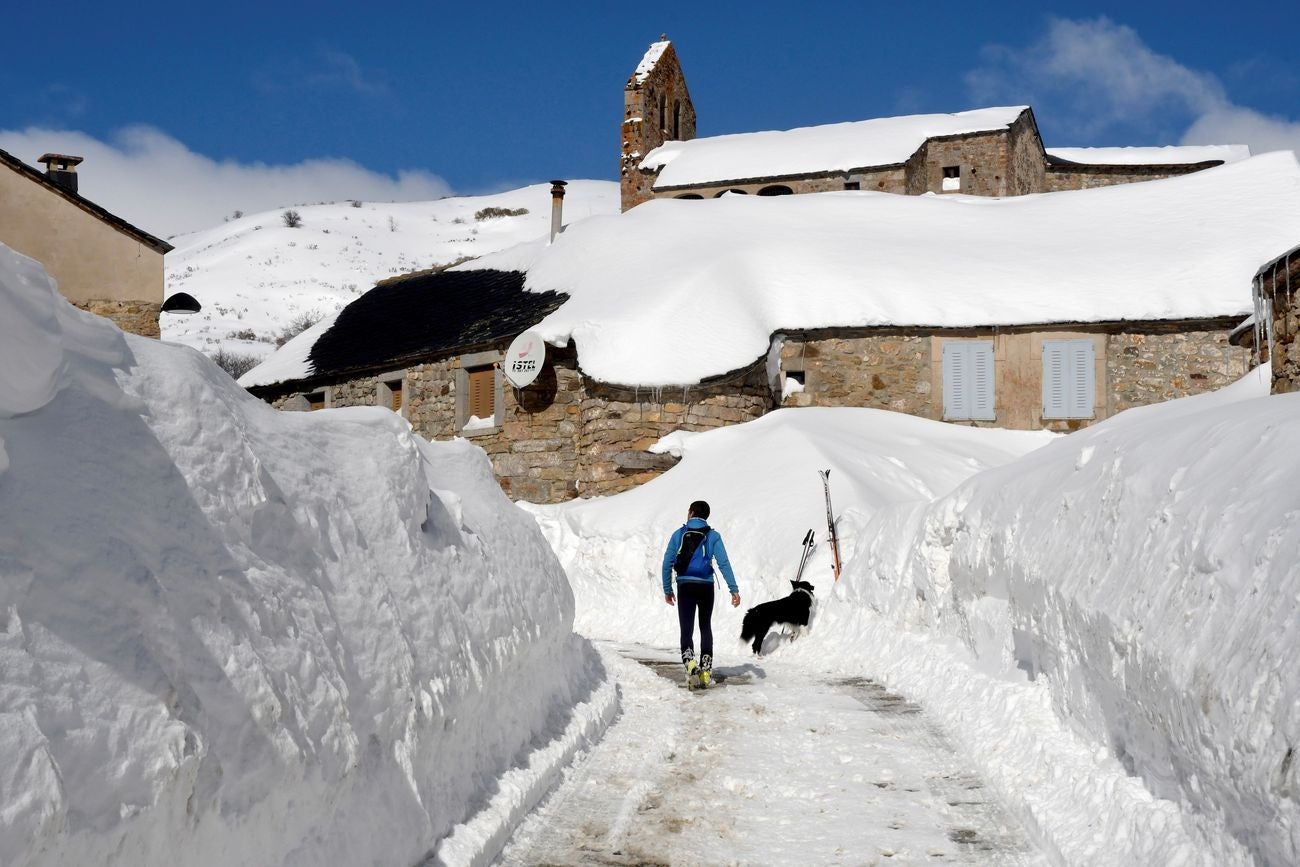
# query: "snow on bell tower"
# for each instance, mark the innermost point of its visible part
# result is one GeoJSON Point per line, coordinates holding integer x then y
{"type": "Point", "coordinates": [656, 108]}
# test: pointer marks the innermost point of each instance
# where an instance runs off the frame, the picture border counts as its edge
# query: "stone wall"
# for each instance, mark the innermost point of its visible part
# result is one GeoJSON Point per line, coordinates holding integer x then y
{"type": "Point", "coordinates": [1276, 287]}
{"type": "Point", "coordinates": [983, 158]}
{"type": "Point", "coordinates": [888, 180]}
{"type": "Point", "coordinates": [1152, 367]}
{"type": "Point", "coordinates": [885, 370]}
{"type": "Point", "coordinates": [1083, 177]}
{"type": "Point", "coordinates": [134, 317]}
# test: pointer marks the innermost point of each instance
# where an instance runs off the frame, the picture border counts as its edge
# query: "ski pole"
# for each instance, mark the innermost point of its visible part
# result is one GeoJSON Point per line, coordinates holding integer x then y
{"type": "Point", "coordinates": [807, 548]}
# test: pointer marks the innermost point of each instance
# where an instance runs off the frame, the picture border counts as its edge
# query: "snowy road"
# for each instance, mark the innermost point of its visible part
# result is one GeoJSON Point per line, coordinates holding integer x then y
{"type": "Point", "coordinates": [772, 766]}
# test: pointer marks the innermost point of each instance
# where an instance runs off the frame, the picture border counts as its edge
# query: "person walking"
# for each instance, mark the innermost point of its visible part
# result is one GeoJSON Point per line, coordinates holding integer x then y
{"type": "Point", "coordinates": [690, 554]}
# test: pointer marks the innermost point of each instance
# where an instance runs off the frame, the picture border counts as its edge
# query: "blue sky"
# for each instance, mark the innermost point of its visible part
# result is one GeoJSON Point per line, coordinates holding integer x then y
{"type": "Point", "coordinates": [431, 98]}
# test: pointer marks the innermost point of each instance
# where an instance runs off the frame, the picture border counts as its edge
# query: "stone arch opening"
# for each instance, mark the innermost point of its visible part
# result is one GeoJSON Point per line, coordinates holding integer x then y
{"type": "Point", "coordinates": [724, 192]}
{"type": "Point", "coordinates": [689, 196]}
{"type": "Point", "coordinates": [776, 190]}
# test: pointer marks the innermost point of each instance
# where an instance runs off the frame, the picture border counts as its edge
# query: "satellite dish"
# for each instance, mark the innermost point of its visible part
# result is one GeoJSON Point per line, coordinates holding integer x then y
{"type": "Point", "coordinates": [524, 359]}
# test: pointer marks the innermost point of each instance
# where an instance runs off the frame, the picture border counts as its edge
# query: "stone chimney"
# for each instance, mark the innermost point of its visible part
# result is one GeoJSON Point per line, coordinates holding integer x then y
{"type": "Point", "coordinates": [62, 169]}
{"type": "Point", "coordinates": [557, 208]}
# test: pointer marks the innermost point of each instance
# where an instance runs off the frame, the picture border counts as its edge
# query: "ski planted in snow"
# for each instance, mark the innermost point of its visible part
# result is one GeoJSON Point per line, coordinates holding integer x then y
{"type": "Point", "coordinates": [830, 522]}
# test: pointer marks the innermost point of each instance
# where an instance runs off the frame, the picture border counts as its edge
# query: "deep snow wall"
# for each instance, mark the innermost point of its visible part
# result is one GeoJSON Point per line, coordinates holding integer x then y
{"type": "Point", "coordinates": [1145, 571]}
{"type": "Point", "coordinates": [230, 635]}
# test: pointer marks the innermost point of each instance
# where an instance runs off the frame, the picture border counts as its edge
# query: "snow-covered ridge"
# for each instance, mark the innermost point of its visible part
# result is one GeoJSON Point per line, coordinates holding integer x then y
{"type": "Point", "coordinates": [747, 267]}
{"type": "Point", "coordinates": [231, 635]}
{"type": "Point", "coordinates": [254, 275]}
{"type": "Point", "coordinates": [880, 141]}
{"type": "Point", "coordinates": [1170, 155]}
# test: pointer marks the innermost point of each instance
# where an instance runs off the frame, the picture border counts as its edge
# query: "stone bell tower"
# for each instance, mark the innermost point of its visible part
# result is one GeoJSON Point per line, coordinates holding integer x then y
{"type": "Point", "coordinates": [656, 108]}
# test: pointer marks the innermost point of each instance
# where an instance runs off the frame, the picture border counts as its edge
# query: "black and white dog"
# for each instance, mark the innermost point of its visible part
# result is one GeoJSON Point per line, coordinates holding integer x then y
{"type": "Point", "coordinates": [793, 610]}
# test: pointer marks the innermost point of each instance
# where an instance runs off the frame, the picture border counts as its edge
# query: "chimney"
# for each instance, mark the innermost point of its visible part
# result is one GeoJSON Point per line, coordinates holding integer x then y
{"type": "Point", "coordinates": [62, 169]}
{"type": "Point", "coordinates": [557, 207]}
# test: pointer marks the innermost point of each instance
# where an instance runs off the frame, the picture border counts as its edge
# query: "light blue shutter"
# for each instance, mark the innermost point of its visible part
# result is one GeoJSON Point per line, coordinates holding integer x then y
{"type": "Point", "coordinates": [981, 380]}
{"type": "Point", "coordinates": [955, 404]}
{"type": "Point", "coordinates": [968, 380]}
{"type": "Point", "coordinates": [1069, 379]}
{"type": "Point", "coordinates": [1054, 398]}
{"type": "Point", "coordinates": [1082, 379]}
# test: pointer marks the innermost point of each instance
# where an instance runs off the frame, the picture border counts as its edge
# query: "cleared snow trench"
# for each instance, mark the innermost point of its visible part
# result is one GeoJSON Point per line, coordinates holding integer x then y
{"type": "Point", "coordinates": [773, 766]}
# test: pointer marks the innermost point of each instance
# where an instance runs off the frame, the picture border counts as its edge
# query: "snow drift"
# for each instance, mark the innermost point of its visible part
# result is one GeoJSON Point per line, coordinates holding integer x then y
{"type": "Point", "coordinates": [1144, 571]}
{"type": "Point", "coordinates": [234, 636]}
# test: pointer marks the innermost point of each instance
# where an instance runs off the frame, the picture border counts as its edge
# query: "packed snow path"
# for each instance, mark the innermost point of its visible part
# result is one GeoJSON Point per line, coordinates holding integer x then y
{"type": "Point", "coordinates": [772, 766]}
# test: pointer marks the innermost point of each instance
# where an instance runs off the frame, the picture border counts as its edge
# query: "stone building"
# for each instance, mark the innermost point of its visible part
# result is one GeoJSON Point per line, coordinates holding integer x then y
{"type": "Point", "coordinates": [429, 346]}
{"type": "Point", "coordinates": [1277, 319]}
{"type": "Point", "coordinates": [101, 262]}
{"type": "Point", "coordinates": [985, 152]}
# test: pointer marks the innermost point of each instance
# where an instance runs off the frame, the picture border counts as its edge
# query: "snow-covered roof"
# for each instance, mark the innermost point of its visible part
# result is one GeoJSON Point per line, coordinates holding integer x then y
{"type": "Point", "coordinates": [881, 141]}
{"type": "Point", "coordinates": [747, 266]}
{"type": "Point", "coordinates": [647, 64]}
{"type": "Point", "coordinates": [1152, 156]}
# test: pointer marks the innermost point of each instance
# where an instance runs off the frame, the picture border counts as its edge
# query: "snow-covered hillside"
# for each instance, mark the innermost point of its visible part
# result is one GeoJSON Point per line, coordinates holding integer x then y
{"type": "Point", "coordinates": [1106, 621]}
{"type": "Point", "coordinates": [230, 635]}
{"type": "Point", "coordinates": [254, 275]}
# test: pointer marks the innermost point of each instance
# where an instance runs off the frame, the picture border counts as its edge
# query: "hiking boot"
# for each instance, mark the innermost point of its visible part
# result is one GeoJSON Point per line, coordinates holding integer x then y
{"type": "Point", "coordinates": [692, 669]}
{"type": "Point", "coordinates": [706, 679]}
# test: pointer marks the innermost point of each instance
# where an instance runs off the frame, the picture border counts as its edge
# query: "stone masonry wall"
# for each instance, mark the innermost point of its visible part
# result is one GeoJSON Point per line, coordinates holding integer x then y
{"type": "Point", "coordinates": [844, 368]}
{"type": "Point", "coordinates": [892, 180]}
{"type": "Point", "coordinates": [1278, 283]}
{"type": "Point", "coordinates": [985, 161]}
{"type": "Point", "coordinates": [134, 317]}
{"type": "Point", "coordinates": [1146, 368]}
{"type": "Point", "coordinates": [1083, 177]}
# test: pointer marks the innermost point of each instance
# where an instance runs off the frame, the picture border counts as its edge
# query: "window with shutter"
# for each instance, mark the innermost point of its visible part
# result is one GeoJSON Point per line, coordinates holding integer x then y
{"type": "Point", "coordinates": [968, 380]}
{"type": "Point", "coordinates": [482, 392]}
{"type": "Point", "coordinates": [1069, 381]}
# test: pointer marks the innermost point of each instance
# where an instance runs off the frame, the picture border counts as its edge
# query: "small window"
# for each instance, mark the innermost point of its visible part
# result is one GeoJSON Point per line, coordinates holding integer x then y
{"type": "Point", "coordinates": [852, 185]}
{"type": "Point", "coordinates": [1069, 381]}
{"type": "Point", "coordinates": [951, 178]}
{"type": "Point", "coordinates": [663, 114]}
{"type": "Point", "coordinates": [394, 387]}
{"type": "Point", "coordinates": [968, 380]}
{"type": "Point", "coordinates": [677, 118]}
{"type": "Point", "coordinates": [482, 394]}
{"type": "Point", "coordinates": [315, 400]}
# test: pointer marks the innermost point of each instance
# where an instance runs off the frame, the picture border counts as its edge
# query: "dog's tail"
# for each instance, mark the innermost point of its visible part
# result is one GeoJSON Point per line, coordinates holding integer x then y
{"type": "Point", "coordinates": [749, 626]}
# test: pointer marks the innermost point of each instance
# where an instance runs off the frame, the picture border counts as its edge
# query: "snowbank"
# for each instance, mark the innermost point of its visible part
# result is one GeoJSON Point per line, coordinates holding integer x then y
{"type": "Point", "coordinates": [747, 267]}
{"type": "Point", "coordinates": [1105, 622]}
{"type": "Point", "coordinates": [1144, 573]}
{"type": "Point", "coordinates": [230, 635]}
{"type": "Point", "coordinates": [881, 141]}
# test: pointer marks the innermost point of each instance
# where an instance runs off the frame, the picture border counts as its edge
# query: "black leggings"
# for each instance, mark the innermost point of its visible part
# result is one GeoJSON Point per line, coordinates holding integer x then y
{"type": "Point", "coordinates": [692, 595]}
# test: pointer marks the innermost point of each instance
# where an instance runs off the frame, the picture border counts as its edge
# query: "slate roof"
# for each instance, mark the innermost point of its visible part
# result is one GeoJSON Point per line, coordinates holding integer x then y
{"type": "Point", "coordinates": [85, 204]}
{"type": "Point", "coordinates": [425, 316]}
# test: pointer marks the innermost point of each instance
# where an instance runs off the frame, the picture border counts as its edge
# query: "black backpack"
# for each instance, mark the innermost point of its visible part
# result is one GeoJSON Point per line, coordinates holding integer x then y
{"type": "Point", "coordinates": [692, 540]}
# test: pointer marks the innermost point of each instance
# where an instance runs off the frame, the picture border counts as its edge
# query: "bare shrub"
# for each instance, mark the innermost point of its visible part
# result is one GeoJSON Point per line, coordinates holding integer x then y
{"type": "Point", "coordinates": [491, 213]}
{"type": "Point", "coordinates": [235, 363]}
{"type": "Point", "coordinates": [243, 334]}
{"type": "Point", "coordinates": [297, 325]}
{"type": "Point", "coordinates": [292, 219]}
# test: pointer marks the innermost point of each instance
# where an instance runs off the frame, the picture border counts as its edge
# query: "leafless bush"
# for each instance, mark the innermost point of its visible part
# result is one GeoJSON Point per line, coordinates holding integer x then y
{"type": "Point", "coordinates": [493, 213]}
{"type": "Point", "coordinates": [235, 363]}
{"type": "Point", "coordinates": [297, 325]}
{"type": "Point", "coordinates": [292, 219]}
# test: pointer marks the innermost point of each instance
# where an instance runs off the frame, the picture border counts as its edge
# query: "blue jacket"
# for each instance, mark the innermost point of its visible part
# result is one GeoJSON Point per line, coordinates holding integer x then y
{"type": "Point", "coordinates": [712, 546]}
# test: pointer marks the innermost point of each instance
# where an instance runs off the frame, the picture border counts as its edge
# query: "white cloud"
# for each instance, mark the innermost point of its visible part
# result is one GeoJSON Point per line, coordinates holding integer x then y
{"type": "Point", "coordinates": [1105, 78]}
{"type": "Point", "coordinates": [155, 182]}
